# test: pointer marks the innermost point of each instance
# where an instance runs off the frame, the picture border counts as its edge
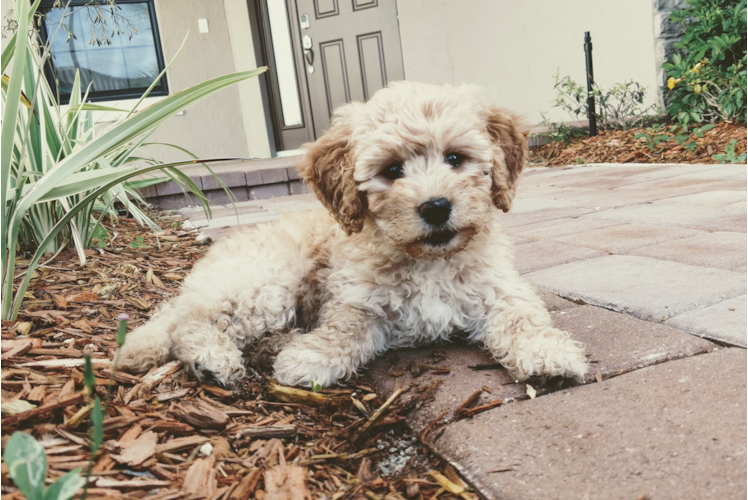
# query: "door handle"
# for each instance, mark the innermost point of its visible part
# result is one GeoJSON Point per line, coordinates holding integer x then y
{"type": "Point", "coordinates": [306, 43]}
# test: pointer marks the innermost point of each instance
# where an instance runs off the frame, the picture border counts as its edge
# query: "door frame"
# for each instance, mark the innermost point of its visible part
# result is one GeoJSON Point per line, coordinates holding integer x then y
{"type": "Point", "coordinates": [297, 134]}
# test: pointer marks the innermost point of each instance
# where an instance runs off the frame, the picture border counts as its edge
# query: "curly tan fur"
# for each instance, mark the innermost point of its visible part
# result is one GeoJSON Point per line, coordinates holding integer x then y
{"type": "Point", "coordinates": [509, 132]}
{"type": "Point", "coordinates": [328, 168]}
{"type": "Point", "coordinates": [330, 289]}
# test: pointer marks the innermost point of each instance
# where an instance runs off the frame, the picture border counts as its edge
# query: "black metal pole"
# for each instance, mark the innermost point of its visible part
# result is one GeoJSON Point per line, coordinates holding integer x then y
{"type": "Point", "coordinates": [590, 81]}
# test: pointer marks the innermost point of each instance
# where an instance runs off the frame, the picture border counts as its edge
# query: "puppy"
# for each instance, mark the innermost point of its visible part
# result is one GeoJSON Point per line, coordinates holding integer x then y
{"type": "Point", "coordinates": [407, 250]}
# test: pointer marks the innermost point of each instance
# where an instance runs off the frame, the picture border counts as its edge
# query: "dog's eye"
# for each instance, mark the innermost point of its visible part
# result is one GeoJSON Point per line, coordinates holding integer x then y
{"type": "Point", "coordinates": [454, 159]}
{"type": "Point", "coordinates": [393, 171]}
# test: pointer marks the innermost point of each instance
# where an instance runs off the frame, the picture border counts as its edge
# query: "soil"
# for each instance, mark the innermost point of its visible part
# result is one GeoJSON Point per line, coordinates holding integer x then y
{"type": "Point", "coordinates": [167, 436]}
{"type": "Point", "coordinates": [620, 146]}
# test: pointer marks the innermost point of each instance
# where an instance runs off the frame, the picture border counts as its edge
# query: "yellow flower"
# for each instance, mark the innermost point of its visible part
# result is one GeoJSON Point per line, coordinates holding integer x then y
{"type": "Point", "coordinates": [697, 67]}
{"type": "Point", "coordinates": [671, 82]}
{"type": "Point", "coordinates": [697, 88]}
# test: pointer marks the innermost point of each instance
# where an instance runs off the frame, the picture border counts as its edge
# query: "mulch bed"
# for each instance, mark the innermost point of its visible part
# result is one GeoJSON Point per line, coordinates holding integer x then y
{"type": "Point", "coordinates": [619, 146]}
{"type": "Point", "coordinates": [169, 437]}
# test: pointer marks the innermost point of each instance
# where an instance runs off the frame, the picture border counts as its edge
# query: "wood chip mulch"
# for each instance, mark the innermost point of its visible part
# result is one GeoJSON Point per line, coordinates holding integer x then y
{"type": "Point", "coordinates": [169, 437]}
{"type": "Point", "coordinates": [619, 146]}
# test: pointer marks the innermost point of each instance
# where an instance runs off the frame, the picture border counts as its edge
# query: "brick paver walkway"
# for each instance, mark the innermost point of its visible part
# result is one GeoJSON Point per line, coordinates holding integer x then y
{"type": "Point", "coordinates": [653, 261]}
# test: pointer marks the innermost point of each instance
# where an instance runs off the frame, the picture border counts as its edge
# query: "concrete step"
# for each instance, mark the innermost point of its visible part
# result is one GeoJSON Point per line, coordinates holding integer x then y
{"type": "Point", "coordinates": [255, 179]}
{"type": "Point", "coordinates": [247, 213]}
{"type": "Point", "coordinates": [247, 180]}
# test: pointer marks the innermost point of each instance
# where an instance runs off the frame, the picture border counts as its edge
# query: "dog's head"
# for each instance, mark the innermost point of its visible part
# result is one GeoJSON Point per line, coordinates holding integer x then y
{"type": "Point", "coordinates": [423, 163]}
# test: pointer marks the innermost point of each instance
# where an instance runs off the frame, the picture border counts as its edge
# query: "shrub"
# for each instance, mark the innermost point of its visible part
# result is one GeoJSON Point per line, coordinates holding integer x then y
{"type": "Point", "coordinates": [708, 72]}
{"type": "Point", "coordinates": [621, 107]}
{"type": "Point", "coordinates": [56, 168]}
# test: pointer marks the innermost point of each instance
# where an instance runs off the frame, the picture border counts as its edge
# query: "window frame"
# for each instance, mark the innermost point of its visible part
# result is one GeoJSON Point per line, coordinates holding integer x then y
{"type": "Point", "coordinates": [162, 89]}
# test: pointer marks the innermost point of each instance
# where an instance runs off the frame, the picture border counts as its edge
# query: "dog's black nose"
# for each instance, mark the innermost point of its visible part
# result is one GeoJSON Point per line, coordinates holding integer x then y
{"type": "Point", "coordinates": [435, 212]}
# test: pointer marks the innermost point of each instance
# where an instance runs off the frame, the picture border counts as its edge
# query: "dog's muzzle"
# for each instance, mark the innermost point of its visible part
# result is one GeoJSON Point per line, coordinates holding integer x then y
{"type": "Point", "coordinates": [439, 238]}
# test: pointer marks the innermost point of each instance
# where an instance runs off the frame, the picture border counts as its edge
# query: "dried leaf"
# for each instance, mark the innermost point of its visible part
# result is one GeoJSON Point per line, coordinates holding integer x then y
{"type": "Point", "coordinates": [81, 297]}
{"type": "Point", "coordinates": [531, 391]}
{"type": "Point", "coordinates": [18, 406]}
{"type": "Point", "coordinates": [138, 303]}
{"type": "Point", "coordinates": [246, 486]}
{"type": "Point", "coordinates": [24, 328]}
{"type": "Point", "coordinates": [138, 451]}
{"type": "Point", "coordinates": [201, 414]}
{"type": "Point", "coordinates": [286, 482]}
{"type": "Point", "coordinates": [60, 301]}
{"type": "Point", "coordinates": [200, 479]}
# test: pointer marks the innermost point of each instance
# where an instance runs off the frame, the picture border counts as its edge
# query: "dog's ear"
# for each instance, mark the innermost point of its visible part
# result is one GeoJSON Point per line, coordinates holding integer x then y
{"type": "Point", "coordinates": [327, 167]}
{"type": "Point", "coordinates": [508, 133]}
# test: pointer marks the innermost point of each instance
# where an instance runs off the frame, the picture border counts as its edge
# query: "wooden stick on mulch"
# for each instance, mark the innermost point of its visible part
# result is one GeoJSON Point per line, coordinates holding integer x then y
{"type": "Point", "coordinates": [380, 411]}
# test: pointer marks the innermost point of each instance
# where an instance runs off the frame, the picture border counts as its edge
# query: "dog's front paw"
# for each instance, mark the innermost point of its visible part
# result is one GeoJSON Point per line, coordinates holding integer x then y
{"type": "Point", "coordinates": [224, 367]}
{"type": "Point", "coordinates": [551, 354]}
{"type": "Point", "coordinates": [299, 364]}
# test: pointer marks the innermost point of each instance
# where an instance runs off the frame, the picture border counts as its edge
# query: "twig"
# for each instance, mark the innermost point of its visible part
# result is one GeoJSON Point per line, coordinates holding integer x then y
{"type": "Point", "coordinates": [478, 409]}
{"type": "Point", "coordinates": [470, 401]}
{"type": "Point", "coordinates": [270, 431]}
{"type": "Point", "coordinates": [316, 459]}
{"type": "Point", "coordinates": [431, 426]}
{"type": "Point", "coordinates": [380, 411]}
{"type": "Point", "coordinates": [509, 469]}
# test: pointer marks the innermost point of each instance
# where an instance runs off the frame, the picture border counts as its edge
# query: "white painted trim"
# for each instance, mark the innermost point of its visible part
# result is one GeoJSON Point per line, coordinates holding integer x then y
{"type": "Point", "coordinates": [250, 94]}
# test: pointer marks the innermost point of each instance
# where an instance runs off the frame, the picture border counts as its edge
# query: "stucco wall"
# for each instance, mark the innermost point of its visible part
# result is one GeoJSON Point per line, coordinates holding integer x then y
{"type": "Point", "coordinates": [5, 7]}
{"type": "Point", "coordinates": [214, 127]}
{"type": "Point", "coordinates": [513, 48]}
{"type": "Point", "coordinates": [229, 124]}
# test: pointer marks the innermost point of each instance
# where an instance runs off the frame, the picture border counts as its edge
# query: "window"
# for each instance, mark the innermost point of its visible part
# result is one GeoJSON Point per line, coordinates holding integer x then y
{"type": "Point", "coordinates": [284, 63]}
{"type": "Point", "coordinates": [117, 66]}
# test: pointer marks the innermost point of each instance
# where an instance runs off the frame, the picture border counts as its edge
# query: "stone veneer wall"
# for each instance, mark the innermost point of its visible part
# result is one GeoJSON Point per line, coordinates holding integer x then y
{"type": "Point", "coordinates": [666, 35]}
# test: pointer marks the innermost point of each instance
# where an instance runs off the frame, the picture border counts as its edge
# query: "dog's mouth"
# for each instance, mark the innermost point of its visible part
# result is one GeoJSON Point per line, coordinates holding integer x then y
{"type": "Point", "coordinates": [439, 238]}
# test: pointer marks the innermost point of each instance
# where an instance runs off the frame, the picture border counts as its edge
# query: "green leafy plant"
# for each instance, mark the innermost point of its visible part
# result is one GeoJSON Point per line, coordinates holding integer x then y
{"type": "Point", "coordinates": [138, 243]}
{"type": "Point", "coordinates": [707, 76]}
{"type": "Point", "coordinates": [99, 236]}
{"type": "Point", "coordinates": [25, 457]}
{"type": "Point", "coordinates": [316, 386]}
{"type": "Point", "coordinates": [653, 139]}
{"type": "Point", "coordinates": [51, 136]}
{"type": "Point", "coordinates": [56, 169]}
{"type": "Point", "coordinates": [621, 107]}
{"type": "Point", "coordinates": [27, 466]}
{"type": "Point", "coordinates": [97, 415]}
{"type": "Point", "coordinates": [656, 135]}
{"type": "Point", "coordinates": [730, 156]}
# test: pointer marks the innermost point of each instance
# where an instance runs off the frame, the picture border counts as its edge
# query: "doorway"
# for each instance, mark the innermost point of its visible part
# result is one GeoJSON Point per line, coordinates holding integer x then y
{"type": "Point", "coordinates": [322, 54]}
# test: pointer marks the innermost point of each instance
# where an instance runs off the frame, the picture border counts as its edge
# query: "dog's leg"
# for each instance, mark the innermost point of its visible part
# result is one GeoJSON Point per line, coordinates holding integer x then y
{"type": "Point", "coordinates": [186, 329]}
{"type": "Point", "coordinates": [345, 340]}
{"type": "Point", "coordinates": [520, 335]}
{"type": "Point", "coordinates": [207, 330]}
{"type": "Point", "coordinates": [247, 287]}
{"type": "Point", "coordinates": [209, 335]}
{"type": "Point", "coordinates": [150, 344]}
